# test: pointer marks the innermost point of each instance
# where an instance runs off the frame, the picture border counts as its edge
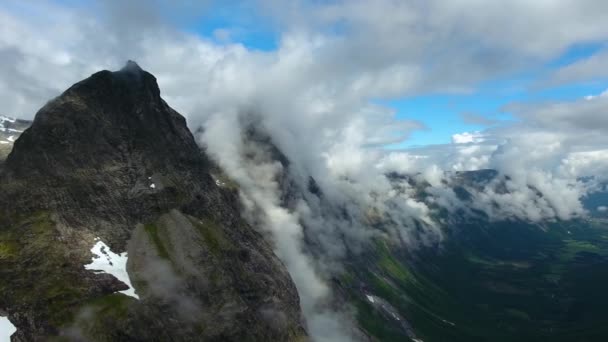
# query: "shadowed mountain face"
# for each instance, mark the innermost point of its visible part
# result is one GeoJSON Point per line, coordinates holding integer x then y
{"type": "Point", "coordinates": [110, 162]}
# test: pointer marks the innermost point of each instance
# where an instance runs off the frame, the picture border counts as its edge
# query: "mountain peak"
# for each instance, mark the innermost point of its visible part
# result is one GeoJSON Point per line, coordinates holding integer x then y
{"type": "Point", "coordinates": [129, 83]}
{"type": "Point", "coordinates": [132, 66]}
{"type": "Point", "coordinates": [109, 161]}
{"type": "Point", "coordinates": [106, 114]}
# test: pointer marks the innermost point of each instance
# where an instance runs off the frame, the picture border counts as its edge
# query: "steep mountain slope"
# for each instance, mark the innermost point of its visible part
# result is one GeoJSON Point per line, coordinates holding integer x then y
{"type": "Point", "coordinates": [489, 279]}
{"type": "Point", "coordinates": [499, 281]}
{"type": "Point", "coordinates": [108, 164]}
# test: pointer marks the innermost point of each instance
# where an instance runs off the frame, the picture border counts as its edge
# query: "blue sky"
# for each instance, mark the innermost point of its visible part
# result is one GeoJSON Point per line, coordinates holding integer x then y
{"type": "Point", "coordinates": [440, 113]}
{"type": "Point", "coordinates": [242, 19]}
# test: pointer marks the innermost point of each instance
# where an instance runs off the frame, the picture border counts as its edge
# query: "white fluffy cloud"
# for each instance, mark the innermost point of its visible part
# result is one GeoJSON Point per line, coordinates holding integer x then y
{"type": "Point", "coordinates": [466, 137]}
{"type": "Point", "coordinates": [548, 155]}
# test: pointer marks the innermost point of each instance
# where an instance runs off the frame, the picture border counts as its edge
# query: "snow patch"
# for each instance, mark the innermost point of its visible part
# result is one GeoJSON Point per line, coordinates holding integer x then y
{"type": "Point", "coordinates": [4, 118]}
{"type": "Point", "coordinates": [602, 208]}
{"type": "Point", "coordinates": [370, 298]}
{"type": "Point", "coordinates": [4, 142]}
{"type": "Point", "coordinates": [11, 138]}
{"type": "Point", "coordinates": [106, 261]}
{"type": "Point", "coordinates": [152, 184]}
{"type": "Point", "coordinates": [448, 322]}
{"type": "Point", "coordinates": [6, 329]}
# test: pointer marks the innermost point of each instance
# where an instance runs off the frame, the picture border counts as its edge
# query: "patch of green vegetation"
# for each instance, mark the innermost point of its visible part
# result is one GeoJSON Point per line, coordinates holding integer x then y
{"type": "Point", "coordinates": [389, 264]}
{"type": "Point", "coordinates": [347, 278]}
{"type": "Point", "coordinates": [501, 282]}
{"type": "Point", "coordinates": [33, 259]}
{"type": "Point", "coordinates": [573, 247]}
{"type": "Point", "coordinates": [497, 263]}
{"type": "Point", "coordinates": [224, 181]}
{"type": "Point", "coordinates": [384, 289]}
{"type": "Point", "coordinates": [154, 234]}
{"type": "Point", "coordinates": [8, 249]}
{"type": "Point", "coordinates": [113, 305]}
{"type": "Point", "coordinates": [100, 318]}
{"type": "Point", "coordinates": [375, 324]}
{"type": "Point", "coordinates": [518, 314]}
{"type": "Point", "coordinates": [212, 234]}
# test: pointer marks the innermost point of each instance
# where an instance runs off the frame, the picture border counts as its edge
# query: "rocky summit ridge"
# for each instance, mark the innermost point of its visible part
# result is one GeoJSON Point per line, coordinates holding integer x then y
{"type": "Point", "coordinates": [108, 164]}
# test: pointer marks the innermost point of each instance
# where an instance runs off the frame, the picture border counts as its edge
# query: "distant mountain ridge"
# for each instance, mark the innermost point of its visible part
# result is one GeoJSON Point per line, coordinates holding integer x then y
{"type": "Point", "coordinates": [10, 130]}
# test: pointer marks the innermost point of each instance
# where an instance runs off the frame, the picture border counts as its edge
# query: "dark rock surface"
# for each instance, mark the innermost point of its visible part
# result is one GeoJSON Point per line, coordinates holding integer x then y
{"type": "Point", "coordinates": [110, 159]}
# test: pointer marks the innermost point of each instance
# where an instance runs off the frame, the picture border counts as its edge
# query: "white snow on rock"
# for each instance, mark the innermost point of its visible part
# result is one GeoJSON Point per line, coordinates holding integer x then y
{"type": "Point", "coordinates": [11, 138]}
{"type": "Point", "coordinates": [370, 298]}
{"type": "Point", "coordinates": [6, 329]}
{"type": "Point", "coordinates": [153, 186]}
{"type": "Point", "coordinates": [4, 118]}
{"type": "Point", "coordinates": [106, 261]}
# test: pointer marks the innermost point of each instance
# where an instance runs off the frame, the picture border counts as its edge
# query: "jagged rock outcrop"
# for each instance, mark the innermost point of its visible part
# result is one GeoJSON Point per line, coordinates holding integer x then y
{"type": "Point", "coordinates": [110, 161]}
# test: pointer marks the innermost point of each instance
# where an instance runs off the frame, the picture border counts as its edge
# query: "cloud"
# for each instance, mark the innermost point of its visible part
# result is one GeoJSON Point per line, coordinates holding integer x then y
{"type": "Point", "coordinates": [466, 137]}
{"type": "Point", "coordinates": [476, 119]}
{"type": "Point", "coordinates": [352, 43]}
{"type": "Point", "coordinates": [585, 114]}
{"type": "Point", "coordinates": [587, 69]}
{"type": "Point", "coordinates": [222, 35]}
{"type": "Point", "coordinates": [602, 94]}
{"type": "Point", "coordinates": [545, 158]}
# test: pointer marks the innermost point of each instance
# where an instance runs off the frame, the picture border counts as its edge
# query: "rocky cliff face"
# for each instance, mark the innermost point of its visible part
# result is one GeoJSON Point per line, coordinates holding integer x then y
{"type": "Point", "coordinates": [108, 164]}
